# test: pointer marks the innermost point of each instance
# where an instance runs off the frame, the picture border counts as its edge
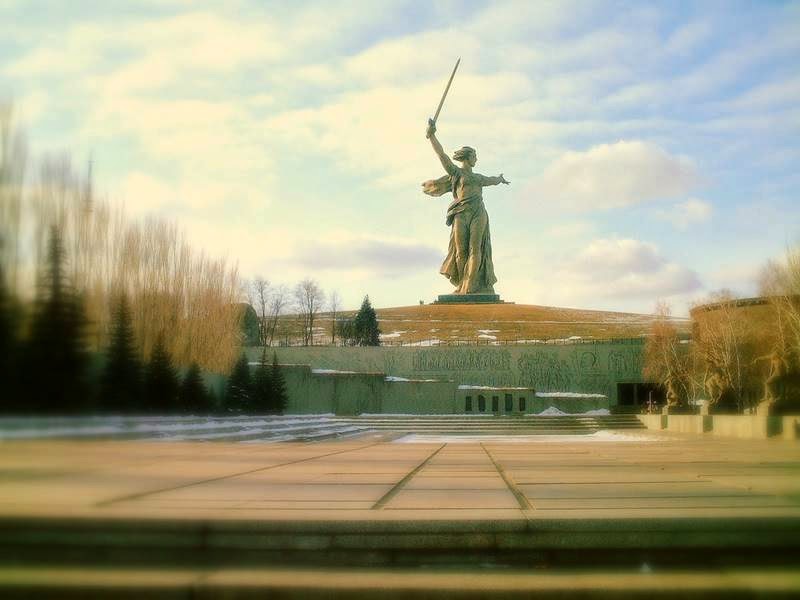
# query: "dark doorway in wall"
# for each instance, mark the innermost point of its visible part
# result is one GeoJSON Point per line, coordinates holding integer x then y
{"type": "Point", "coordinates": [509, 403]}
{"type": "Point", "coordinates": [495, 403]}
{"type": "Point", "coordinates": [481, 404]}
{"type": "Point", "coordinates": [638, 394]}
{"type": "Point", "coordinates": [468, 404]}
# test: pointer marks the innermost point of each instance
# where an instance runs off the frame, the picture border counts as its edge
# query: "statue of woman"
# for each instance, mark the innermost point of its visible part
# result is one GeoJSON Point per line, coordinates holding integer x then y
{"type": "Point", "coordinates": [468, 265]}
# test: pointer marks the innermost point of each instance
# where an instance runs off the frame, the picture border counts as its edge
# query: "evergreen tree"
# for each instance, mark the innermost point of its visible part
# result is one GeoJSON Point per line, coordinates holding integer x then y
{"type": "Point", "coordinates": [365, 325]}
{"type": "Point", "coordinates": [239, 391]}
{"type": "Point", "coordinates": [161, 381]}
{"type": "Point", "coordinates": [56, 343]}
{"type": "Point", "coordinates": [280, 399]}
{"type": "Point", "coordinates": [193, 397]}
{"type": "Point", "coordinates": [121, 381]}
{"type": "Point", "coordinates": [262, 401]}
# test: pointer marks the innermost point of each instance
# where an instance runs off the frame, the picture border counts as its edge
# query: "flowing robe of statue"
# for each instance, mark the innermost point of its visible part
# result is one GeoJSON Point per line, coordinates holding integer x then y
{"type": "Point", "coordinates": [468, 265]}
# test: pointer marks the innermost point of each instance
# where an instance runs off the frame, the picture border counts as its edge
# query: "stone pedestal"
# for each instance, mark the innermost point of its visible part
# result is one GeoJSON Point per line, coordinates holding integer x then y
{"type": "Point", "coordinates": [469, 299]}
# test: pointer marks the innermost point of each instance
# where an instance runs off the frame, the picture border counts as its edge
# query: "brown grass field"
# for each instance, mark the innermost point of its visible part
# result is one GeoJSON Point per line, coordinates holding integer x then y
{"type": "Point", "coordinates": [431, 324]}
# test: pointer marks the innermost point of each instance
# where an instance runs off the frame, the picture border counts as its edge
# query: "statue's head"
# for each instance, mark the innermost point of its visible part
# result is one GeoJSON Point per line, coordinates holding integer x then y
{"type": "Point", "coordinates": [466, 155]}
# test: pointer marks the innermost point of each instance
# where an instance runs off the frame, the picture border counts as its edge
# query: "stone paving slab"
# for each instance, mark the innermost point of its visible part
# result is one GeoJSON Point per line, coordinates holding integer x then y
{"type": "Point", "coordinates": [672, 473]}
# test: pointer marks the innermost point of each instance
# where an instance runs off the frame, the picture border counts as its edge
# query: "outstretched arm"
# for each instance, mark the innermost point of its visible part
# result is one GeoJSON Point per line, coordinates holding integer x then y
{"type": "Point", "coordinates": [493, 180]}
{"type": "Point", "coordinates": [448, 165]}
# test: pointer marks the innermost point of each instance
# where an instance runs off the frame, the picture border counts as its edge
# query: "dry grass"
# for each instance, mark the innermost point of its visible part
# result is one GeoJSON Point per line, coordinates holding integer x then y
{"type": "Point", "coordinates": [487, 323]}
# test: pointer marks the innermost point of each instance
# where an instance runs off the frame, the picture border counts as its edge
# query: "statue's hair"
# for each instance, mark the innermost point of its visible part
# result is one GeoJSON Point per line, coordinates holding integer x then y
{"type": "Point", "coordinates": [463, 154]}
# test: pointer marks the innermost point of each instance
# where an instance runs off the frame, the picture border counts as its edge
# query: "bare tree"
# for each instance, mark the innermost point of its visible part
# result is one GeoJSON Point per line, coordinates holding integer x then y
{"type": "Point", "coordinates": [279, 298]}
{"type": "Point", "coordinates": [309, 299]}
{"type": "Point", "coordinates": [13, 159]}
{"type": "Point", "coordinates": [174, 290]}
{"type": "Point", "coordinates": [258, 293]}
{"type": "Point", "coordinates": [664, 360]}
{"type": "Point", "coordinates": [725, 345]}
{"type": "Point", "coordinates": [780, 281]}
{"type": "Point", "coordinates": [334, 303]}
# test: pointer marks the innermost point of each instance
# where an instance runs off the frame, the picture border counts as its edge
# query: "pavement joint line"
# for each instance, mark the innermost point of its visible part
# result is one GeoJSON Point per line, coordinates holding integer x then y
{"type": "Point", "coordinates": [383, 500]}
{"type": "Point", "coordinates": [521, 498]}
{"type": "Point", "coordinates": [138, 495]}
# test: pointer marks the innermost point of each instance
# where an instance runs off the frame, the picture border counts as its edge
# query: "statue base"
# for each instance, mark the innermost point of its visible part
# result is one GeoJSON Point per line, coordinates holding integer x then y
{"type": "Point", "coordinates": [469, 299]}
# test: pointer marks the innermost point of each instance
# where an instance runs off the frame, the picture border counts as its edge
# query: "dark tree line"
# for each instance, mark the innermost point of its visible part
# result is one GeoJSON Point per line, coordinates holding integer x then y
{"type": "Point", "coordinates": [46, 367]}
{"type": "Point", "coordinates": [262, 391]}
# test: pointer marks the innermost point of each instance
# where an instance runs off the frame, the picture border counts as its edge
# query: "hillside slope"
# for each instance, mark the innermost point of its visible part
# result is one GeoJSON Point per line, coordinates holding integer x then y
{"type": "Point", "coordinates": [500, 323]}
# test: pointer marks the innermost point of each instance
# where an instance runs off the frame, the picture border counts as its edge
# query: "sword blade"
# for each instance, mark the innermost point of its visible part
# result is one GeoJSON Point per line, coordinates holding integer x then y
{"type": "Point", "coordinates": [441, 102]}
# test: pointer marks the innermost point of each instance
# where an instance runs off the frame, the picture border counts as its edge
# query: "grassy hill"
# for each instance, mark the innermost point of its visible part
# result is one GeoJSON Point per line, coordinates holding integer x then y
{"type": "Point", "coordinates": [498, 323]}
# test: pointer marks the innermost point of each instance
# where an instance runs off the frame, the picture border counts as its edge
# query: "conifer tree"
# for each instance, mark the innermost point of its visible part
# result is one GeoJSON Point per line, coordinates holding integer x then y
{"type": "Point", "coordinates": [161, 382]}
{"type": "Point", "coordinates": [193, 397]}
{"type": "Point", "coordinates": [280, 399]}
{"type": "Point", "coordinates": [121, 381]}
{"type": "Point", "coordinates": [239, 391]}
{"type": "Point", "coordinates": [365, 325]}
{"type": "Point", "coordinates": [262, 401]}
{"type": "Point", "coordinates": [56, 343]}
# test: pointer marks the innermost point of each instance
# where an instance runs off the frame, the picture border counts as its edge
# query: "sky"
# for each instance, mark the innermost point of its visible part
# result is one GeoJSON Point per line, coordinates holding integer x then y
{"type": "Point", "coordinates": [652, 148]}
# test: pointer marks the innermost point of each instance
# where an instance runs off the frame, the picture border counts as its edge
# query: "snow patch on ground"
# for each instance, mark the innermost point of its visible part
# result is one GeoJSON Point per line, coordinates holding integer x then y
{"type": "Point", "coordinates": [331, 372]}
{"type": "Point", "coordinates": [394, 334]}
{"type": "Point", "coordinates": [430, 342]}
{"type": "Point", "coordinates": [419, 416]}
{"type": "Point", "coordinates": [489, 387]}
{"type": "Point", "coordinates": [600, 436]}
{"type": "Point", "coordinates": [393, 378]}
{"type": "Point", "coordinates": [567, 395]}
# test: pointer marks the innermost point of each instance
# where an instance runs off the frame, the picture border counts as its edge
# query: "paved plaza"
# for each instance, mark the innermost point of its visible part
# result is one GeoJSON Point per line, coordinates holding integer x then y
{"type": "Point", "coordinates": [600, 513]}
{"type": "Point", "coordinates": [373, 477]}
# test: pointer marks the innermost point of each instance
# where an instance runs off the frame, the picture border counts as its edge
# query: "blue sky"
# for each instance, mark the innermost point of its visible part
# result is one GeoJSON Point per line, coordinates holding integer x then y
{"type": "Point", "coordinates": [652, 148]}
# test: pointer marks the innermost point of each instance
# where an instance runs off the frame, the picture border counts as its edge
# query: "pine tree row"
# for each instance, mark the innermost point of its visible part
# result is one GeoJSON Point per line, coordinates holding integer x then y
{"type": "Point", "coordinates": [259, 392]}
{"type": "Point", "coordinates": [48, 369]}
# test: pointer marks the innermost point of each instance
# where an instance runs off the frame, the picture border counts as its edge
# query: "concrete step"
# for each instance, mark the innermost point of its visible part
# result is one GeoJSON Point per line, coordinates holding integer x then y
{"type": "Point", "coordinates": [73, 583]}
{"type": "Point", "coordinates": [500, 425]}
{"type": "Point", "coordinates": [537, 542]}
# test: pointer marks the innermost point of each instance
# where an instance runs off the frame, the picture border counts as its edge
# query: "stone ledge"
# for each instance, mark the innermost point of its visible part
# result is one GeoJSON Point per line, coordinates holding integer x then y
{"type": "Point", "coordinates": [405, 583]}
{"type": "Point", "coordinates": [469, 299]}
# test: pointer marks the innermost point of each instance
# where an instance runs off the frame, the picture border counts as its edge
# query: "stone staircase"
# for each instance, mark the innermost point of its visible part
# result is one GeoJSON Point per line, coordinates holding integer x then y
{"type": "Point", "coordinates": [493, 425]}
{"type": "Point", "coordinates": [304, 428]}
{"type": "Point", "coordinates": [251, 428]}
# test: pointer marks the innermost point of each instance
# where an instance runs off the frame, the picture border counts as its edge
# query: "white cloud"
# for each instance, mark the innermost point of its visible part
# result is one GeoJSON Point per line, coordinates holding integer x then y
{"type": "Point", "coordinates": [383, 256]}
{"type": "Point", "coordinates": [686, 38]}
{"type": "Point", "coordinates": [685, 214]}
{"type": "Point", "coordinates": [615, 176]}
{"type": "Point", "coordinates": [625, 268]}
{"type": "Point", "coordinates": [774, 94]}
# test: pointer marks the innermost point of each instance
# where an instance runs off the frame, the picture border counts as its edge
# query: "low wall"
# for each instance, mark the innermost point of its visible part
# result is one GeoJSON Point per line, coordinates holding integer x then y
{"type": "Point", "coordinates": [653, 421]}
{"type": "Point", "coordinates": [747, 426]}
{"type": "Point", "coordinates": [595, 367]}
{"type": "Point", "coordinates": [347, 393]}
{"type": "Point", "coordinates": [735, 426]}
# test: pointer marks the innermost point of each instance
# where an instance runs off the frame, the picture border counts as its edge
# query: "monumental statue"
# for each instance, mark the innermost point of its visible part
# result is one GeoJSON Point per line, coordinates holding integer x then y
{"type": "Point", "coordinates": [468, 265]}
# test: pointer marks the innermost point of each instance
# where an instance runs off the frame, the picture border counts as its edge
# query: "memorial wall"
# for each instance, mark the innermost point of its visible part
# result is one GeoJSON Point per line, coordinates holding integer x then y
{"type": "Point", "coordinates": [588, 367]}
